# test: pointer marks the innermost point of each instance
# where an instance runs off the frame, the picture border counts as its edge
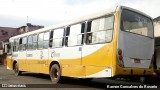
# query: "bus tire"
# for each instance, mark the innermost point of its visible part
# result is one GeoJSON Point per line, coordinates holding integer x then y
{"type": "Point", "coordinates": [17, 72]}
{"type": "Point", "coordinates": [55, 74]}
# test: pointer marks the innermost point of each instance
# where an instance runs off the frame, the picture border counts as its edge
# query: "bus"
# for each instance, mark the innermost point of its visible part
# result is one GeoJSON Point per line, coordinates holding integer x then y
{"type": "Point", "coordinates": [115, 42]}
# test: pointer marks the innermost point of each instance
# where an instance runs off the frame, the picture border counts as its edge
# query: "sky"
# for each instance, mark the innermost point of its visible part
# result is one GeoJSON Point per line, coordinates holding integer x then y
{"type": "Point", "coordinates": [16, 13]}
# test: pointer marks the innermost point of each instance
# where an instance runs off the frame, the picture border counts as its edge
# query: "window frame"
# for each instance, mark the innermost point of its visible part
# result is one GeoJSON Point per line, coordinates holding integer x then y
{"type": "Point", "coordinates": [83, 34]}
{"type": "Point", "coordinates": [31, 43]}
{"type": "Point", "coordinates": [46, 40]}
{"type": "Point", "coordinates": [34, 41]}
{"type": "Point", "coordinates": [51, 40]}
{"type": "Point", "coordinates": [16, 45]}
{"type": "Point", "coordinates": [22, 46]}
{"type": "Point", "coordinates": [39, 48]}
{"type": "Point", "coordinates": [105, 16]}
{"type": "Point", "coordinates": [133, 32]}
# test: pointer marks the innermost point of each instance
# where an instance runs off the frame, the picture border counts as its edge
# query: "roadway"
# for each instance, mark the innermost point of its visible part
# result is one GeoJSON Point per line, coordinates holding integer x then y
{"type": "Point", "coordinates": [41, 81]}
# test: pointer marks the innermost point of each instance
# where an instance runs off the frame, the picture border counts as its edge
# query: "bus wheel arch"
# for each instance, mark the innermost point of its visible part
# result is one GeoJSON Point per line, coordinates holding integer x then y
{"type": "Point", "coordinates": [54, 62]}
{"type": "Point", "coordinates": [17, 72]}
{"type": "Point", "coordinates": [14, 62]}
{"type": "Point", "coordinates": [55, 72]}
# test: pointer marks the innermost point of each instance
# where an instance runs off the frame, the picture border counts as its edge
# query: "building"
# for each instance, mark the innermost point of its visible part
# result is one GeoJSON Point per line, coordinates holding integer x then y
{"type": "Point", "coordinates": [29, 27]}
{"type": "Point", "coordinates": [7, 32]}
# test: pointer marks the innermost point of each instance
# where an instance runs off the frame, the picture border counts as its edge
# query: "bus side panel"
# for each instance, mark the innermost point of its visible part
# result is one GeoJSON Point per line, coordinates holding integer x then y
{"type": "Point", "coordinates": [98, 72]}
{"type": "Point", "coordinates": [69, 59]}
{"type": "Point", "coordinates": [98, 60]}
{"type": "Point", "coordinates": [9, 62]}
{"type": "Point", "coordinates": [37, 61]}
{"type": "Point", "coordinates": [97, 55]}
{"type": "Point", "coordinates": [73, 71]}
{"type": "Point", "coordinates": [22, 61]}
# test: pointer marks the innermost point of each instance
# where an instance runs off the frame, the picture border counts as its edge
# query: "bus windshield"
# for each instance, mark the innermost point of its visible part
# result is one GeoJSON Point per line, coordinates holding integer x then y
{"type": "Point", "coordinates": [136, 23]}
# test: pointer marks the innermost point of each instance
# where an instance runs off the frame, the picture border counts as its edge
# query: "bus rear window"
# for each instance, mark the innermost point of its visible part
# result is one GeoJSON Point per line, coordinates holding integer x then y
{"type": "Point", "coordinates": [136, 23]}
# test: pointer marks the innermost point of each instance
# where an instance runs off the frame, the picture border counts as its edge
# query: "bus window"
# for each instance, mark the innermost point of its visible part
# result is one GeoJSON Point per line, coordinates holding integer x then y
{"type": "Point", "coordinates": [34, 41]}
{"type": "Point", "coordinates": [9, 49]}
{"type": "Point", "coordinates": [51, 39]}
{"type": "Point", "coordinates": [20, 44]}
{"type": "Point", "coordinates": [99, 30]}
{"type": "Point", "coordinates": [58, 36]}
{"type": "Point", "coordinates": [136, 23]}
{"type": "Point", "coordinates": [40, 41]}
{"type": "Point", "coordinates": [75, 35]}
{"type": "Point", "coordinates": [24, 42]}
{"type": "Point", "coordinates": [30, 41]}
{"type": "Point", "coordinates": [46, 40]}
{"type": "Point", "coordinates": [15, 45]}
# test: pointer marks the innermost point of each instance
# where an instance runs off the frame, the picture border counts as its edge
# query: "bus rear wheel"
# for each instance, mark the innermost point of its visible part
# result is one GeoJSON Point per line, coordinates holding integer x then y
{"type": "Point", "coordinates": [55, 74]}
{"type": "Point", "coordinates": [17, 72]}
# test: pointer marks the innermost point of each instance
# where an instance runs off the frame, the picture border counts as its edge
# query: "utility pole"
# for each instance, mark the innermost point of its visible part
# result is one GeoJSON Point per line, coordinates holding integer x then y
{"type": "Point", "coordinates": [27, 19]}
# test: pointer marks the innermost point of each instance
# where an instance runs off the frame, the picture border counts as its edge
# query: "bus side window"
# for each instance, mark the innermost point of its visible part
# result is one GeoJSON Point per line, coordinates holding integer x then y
{"type": "Point", "coordinates": [17, 45]}
{"type": "Point", "coordinates": [11, 47]}
{"type": "Point", "coordinates": [58, 38]}
{"type": "Point", "coordinates": [82, 32]}
{"type": "Point", "coordinates": [89, 34]}
{"type": "Point", "coordinates": [40, 40]}
{"type": "Point", "coordinates": [20, 44]}
{"type": "Point", "coordinates": [14, 46]}
{"type": "Point", "coordinates": [100, 30]}
{"type": "Point", "coordinates": [67, 34]}
{"type": "Point", "coordinates": [76, 35]}
{"type": "Point", "coordinates": [35, 41]}
{"type": "Point", "coordinates": [51, 39]}
{"type": "Point", "coordinates": [46, 40]}
{"type": "Point", "coordinates": [24, 43]}
{"type": "Point", "coordinates": [30, 41]}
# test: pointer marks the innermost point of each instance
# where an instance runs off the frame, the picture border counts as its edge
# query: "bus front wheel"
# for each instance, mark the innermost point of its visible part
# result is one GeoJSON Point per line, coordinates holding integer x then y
{"type": "Point", "coordinates": [55, 74]}
{"type": "Point", "coordinates": [16, 70]}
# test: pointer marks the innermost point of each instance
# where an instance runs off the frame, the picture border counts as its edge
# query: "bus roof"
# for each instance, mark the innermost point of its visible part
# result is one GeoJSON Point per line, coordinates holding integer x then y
{"type": "Point", "coordinates": [81, 19]}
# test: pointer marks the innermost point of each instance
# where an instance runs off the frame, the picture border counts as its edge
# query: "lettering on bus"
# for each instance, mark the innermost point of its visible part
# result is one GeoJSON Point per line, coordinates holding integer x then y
{"type": "Point", "coordinates": [15, 55]}
{"type": "Point", "coordinates": [29, 55]}
{"type": "Point", "coordinates": [54, 54]}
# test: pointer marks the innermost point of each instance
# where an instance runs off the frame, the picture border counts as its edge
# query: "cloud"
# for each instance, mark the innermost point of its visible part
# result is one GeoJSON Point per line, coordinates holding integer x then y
{"type": "Point", "coordinates": [149, 7]}
{"type": "Point", "coordinates": [56, 11]}
{"type": "Point", "coordinates": [50, 10]}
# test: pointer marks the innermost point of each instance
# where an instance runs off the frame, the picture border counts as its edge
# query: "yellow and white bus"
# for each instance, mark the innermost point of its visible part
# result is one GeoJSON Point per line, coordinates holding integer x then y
{"type": "Point", "coordinates": [114, 42]}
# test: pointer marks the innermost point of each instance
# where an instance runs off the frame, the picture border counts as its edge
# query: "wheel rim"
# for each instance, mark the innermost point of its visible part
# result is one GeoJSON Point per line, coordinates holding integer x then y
{"type": "Point", "coordinates": [16, 69]}
{"type": "Point", "coordinates": [55, 73]}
